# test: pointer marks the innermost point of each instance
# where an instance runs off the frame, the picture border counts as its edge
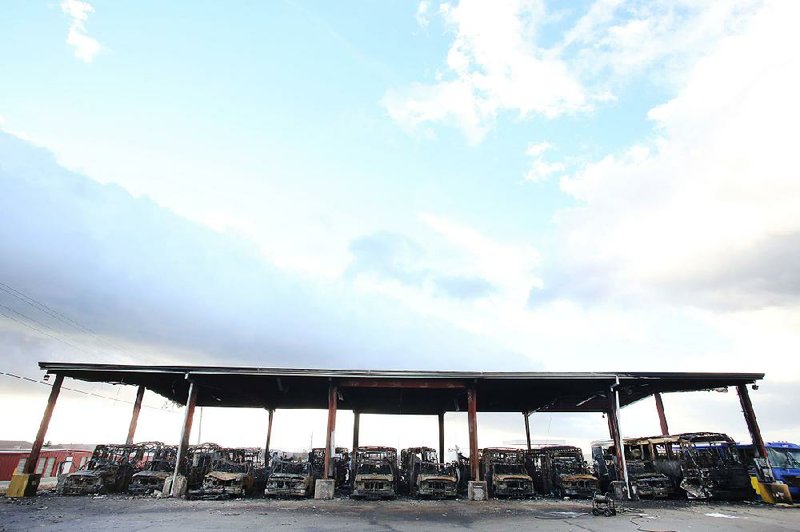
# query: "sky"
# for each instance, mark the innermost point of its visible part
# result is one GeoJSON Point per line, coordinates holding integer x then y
{"type": "Point", "coordinates": [524, 185]}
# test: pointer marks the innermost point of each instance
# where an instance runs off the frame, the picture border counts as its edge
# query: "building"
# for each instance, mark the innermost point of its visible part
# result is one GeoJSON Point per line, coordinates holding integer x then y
{"type": "Point", "coordinates": [51, 463]}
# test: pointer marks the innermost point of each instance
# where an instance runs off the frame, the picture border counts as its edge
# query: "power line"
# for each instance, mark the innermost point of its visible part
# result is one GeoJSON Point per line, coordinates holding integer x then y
{"type": "Point", "coordinates": [54, 337]}
{"type": "Point", "coordinates": [25, 298]}
{"type": "Point", "coordinates": [21, 296]}
{"type": "Point", "coordinates": [84, 392]}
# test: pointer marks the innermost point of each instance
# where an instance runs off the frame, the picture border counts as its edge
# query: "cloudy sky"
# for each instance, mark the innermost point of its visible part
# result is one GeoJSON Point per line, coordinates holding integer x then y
{"type": "Point", "coordinates": [519, 185]}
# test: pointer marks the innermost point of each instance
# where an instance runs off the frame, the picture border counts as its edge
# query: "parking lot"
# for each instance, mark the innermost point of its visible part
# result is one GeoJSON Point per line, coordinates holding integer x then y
{"type": "Point", "coordinates": [52, 512]}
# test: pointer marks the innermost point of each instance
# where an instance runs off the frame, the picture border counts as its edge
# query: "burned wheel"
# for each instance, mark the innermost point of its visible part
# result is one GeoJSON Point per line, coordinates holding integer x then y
{"type": "Point", "coordinates": [608, 512]}
{"type": "Point", "coordinates": [596, 512]}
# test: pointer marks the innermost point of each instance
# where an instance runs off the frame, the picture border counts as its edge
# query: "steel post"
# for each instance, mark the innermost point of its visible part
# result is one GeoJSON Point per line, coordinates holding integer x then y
{"type": "Point", "coordinates": [356, 428]}
{"type": "Point", "coordinates": [616, 434]}
{"type": "Point", "coordinates": [137, 407]}
{"type": "Point", "coordinates": [662, 418]}
{"type": "Point", "coordinates": [270, 413]}
{"type": "Point", "coordinates": [188, 416]}
{"type": "Point", "coordinates": [472, 421]}
{"type": "Point", "coordinates": [441, 437]}
{"type": "Point", "coordinates": [329, 434]}
{"type": "Point", "coordinates": [526, 415]}
{"type": "Point", "coordinates": [750, 419]}
{"type": "Point", "coordinates": [36, 448]}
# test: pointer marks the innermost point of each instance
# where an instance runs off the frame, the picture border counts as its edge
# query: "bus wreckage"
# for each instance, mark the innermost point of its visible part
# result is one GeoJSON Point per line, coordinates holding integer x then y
{"type": "Point", "coordinates": [560, 470]}
{"type": "Point", "coordinates": [231, 475]}
{"type": "Point", "coordinates": [290, 478]}
{"type": "Point", "coordinates": [699, 465]}
{"type": "Point", "coordinates": [422, 475]}
{"type": "Point", "coordinates": [376, 474]}
{"type": "Point", "coordinates": [109, 470]}
{"type": "Point", "coordinates": [158, 464]}
{"type": "Point", "coordinates": [504, 472]}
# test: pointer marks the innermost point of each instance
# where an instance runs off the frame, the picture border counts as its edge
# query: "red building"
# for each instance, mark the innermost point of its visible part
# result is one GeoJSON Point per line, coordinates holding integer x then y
{"type": "Point", "coordinates": [52, 461]}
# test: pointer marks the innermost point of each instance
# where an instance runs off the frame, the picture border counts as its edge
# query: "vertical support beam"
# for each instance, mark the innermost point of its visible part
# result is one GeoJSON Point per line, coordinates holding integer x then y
{"type": "Point", "coordinates": [616, 433]}
{"type": "Point", "coordinates": [526, 415]}
{"type": "Point", "coordinates": [472, 421]}
{"type": "Point", "coordinates": [750, 419]}
{"type": "Point", "coordinates": [36, 448]}
{"type": "Point", "coordinates": [329, 434]}
{"type": "Point", "coordinates": [662, 418]}
{"type": "Point", "coordinates": [441, 437]}
{"type": "Point", "coordinates": [188, 416]}
{"type": "Point", "coordinates": [200, 427]}
{"type": "Point", "coordinates": [356, 427]}
{"type": "Point", "coordinates": [271, 412]}
{"type": "Point", "coordinates": [137, 407]}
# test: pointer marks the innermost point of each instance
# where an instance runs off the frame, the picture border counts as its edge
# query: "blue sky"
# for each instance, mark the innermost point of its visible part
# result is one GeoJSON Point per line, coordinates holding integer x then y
{"type": "Point", "coordinates": [558, 186]}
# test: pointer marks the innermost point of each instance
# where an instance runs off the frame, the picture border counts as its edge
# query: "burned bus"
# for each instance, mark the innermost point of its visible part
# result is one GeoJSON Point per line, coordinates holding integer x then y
{"type": "Point", "coordinates": [376, 475]}
{"type": "Point", "coordinates": [158, 463]}
{"type": "Point", "coordinates": [647, 480]}
{"type": "Point", "coordinates": [421, 474]}
{"type": "Point", "coordinates": [293, 478]}
{"type": "Point", "coordinates": [109, 470]}
{"type": "Point", "coordinates": [700, 465]}
{"type": "Point", "coordinates": [200, 459]}
{"type": "Point", "coordinates": [231, 475]}
{"type": "Point", "coordinates": [560, 470]}
{"type": "Point", "coordinates": [340, 464]}
{"type": "Point", "coordinates": [503, 470]}
{"type": "Point", "coordinates": [711, 467]}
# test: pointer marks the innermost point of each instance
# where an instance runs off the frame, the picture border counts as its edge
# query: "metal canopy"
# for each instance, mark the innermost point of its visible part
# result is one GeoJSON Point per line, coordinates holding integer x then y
{"type": "Point", "coordinates": [396, 392]}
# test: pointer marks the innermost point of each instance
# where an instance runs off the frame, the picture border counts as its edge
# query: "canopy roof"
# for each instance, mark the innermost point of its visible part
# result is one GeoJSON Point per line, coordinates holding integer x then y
{"type": "Point", "coordinates": [396, 392]}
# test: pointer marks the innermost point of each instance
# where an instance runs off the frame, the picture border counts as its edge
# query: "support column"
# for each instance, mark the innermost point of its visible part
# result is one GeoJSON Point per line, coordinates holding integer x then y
{"type": "Point", "coordinates": [472, 420]}
{"type": "Point", "coordinates": [662, 419]}
{"type": "Point", "coordinates": [188, 416]}
{"type": "Point", "coordinates": [356, 427]}
{"type": "Point", "coordinates": [36, 448]}
{"type": "Point", "coordinates": [750, 419]}
{"type": "Point", "coordinates": [329, 434]}
{"type": "Point", "coordinates": [441, 437]}
{"type": "Point", "coordinates": [137, 406]}
{"type": "Point", "coordinates": [526, 415]}
{"type": "Point", "coordinates": [271, 412]}
{"type": "Point", "coordinates": [616, 434]}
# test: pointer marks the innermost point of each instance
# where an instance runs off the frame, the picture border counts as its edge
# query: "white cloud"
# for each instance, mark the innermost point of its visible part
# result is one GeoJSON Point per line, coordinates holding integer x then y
{"type": "Point", "coordinates": [493, 65]}
{"type": "Point", "coordinates": [423, 9]}
{"type": "Point", "coordinates": [616, 38]}
{"type": "Point", "coordinates": [707, 209]}
{"type": "Point", "coordinates": [510, 267]}
{"type": "Point", "coordinates": [449, 258]}
{"type": "Point", "coordinates": [86, 48]}
{"type": "Point", "coordinates": [540, 169]}
{"type": "Point", "coordinates": [169, 284]}
{"type": "Point", "coordinates": [495, 62]}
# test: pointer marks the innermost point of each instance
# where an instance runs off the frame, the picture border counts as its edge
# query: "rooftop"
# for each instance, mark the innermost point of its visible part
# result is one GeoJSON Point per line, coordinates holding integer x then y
{"type": "Point", "coordinates": [397, 391]}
